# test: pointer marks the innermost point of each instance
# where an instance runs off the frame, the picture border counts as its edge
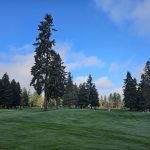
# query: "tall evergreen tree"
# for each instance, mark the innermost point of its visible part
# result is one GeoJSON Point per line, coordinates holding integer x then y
{"type": "Point", "coordinates": [93, 99]}
{"type": "Point", "coordinates": [141, 105]}
{"type": "Point", "coordinates": [83, 96]}
{"type": "Point", "coordinates": [89, 86]}
{"type": "Point", "coordinates": [57, 78]}
{"type": "Point", "coordinates": [130, 92]}
{"type": "Point", "coordinates": [16, 93]}
{"type": "Point", "coordinates": [24, 98]}
{"type": "Point", "coordinates": [70, 95]}
{"type": "Point", "coordinates": [1, 93]}
{"type": "Point", "coordinates": [76, 94]}
{"type": "Point", "coordinates": [146, 85]}
{"type": "Point", "coordinates": [7, 92]}
{"type": "Point", "coordinates": [48, 72]}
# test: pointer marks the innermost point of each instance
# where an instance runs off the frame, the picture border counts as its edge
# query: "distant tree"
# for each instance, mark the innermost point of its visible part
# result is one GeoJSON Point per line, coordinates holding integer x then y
{"type": "Point", "coordinates": [105, 101]}
{"type": "Point", "coordinates": [76, 94]}
{"type": "Point", "coordinates": [130, 92]}
{"type": "Point", "coordinates": [93, 99]}
{"type": "Point", "coordinates": [40, 101]}
{"type": "Point", "coordinates": [34, 98]}
{"type": "Point", "coordinates": [16, 93]}
{"type": "Point", "coordinates": [114, 100]}
{"type": "Point", "coordinates": [24, 98]}
{"type": "Point", "coordinates": [71, 93]}
{"type": "Point", "coordinates": [89, 86]}
{"type": "Point", "coordinates": [48, 72]}
{"type": "Point", "coordinates": [110, 98]}
{"type": "Point", "coordinates": [118, 100]}
{"type": "Point", "coordinates": [141, 105]}
{"type": "Point", "coordinates": [101, 101]}
{"type": "Point", "coordinates": [83, 96]}
{"type": "Point", "coordinates": [6, 96]}
{"type": "Point", "coordinates": [1, 93]}
{"type": "Point", "coordinates": [146, 85]}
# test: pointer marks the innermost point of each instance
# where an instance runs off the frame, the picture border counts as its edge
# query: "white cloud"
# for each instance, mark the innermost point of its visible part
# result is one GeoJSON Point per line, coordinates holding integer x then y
{"type": "Point", "coordinates": [117, 67]}
{"type": "Point", "coordinates": [103, 82]}
{"type": "Point", "coordinates": [75, 60]}
{"type": "Point", "coordinates": [80, 79]}
{"type": "Point", "coordinates": [91, 61]}
{"type": "Point", "coordinates": [27, 48]}
{"type": "Point", "coordinates": [135, 12]}
{"type": "Point", "coordinates": [138, 71]}
{"type": "Point", "coordinates": [18, 67]}
{"type": "Point", "coordinates": [118, 90]}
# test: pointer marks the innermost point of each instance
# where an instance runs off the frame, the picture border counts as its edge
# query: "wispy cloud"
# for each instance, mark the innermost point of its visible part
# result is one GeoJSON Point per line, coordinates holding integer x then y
{"type": "Point", "coordinates": [80, 79]}
{"type": "Point", "coordinates": [116, 67]}
{"type": "Point", "coordinates": [134, 12]}
{"type": "Point", "coordinates": [18, 67]}
{"type": "Point", "coordinates": [27, 48]}
{"type": "Point", "coordinates": [138, 71]}
{"type": "Point", "coordinates": [103, 82]}
{"type": "Point", "coordinates": [75, 60]}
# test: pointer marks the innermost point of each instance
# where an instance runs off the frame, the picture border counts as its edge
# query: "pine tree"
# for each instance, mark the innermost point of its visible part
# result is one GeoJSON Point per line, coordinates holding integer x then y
{"type": "Point", "coordinates": [57, 79]}
{"type": "Point", "coordinates": [1, 93]}
{"type": "Point", "coordinates": [89, 86]}
{"type": "Point", "coordinates": [24, 98]}
{"type": "Point", "coordinates": [93, 99]}
{"type": "Point", "coordinates": [118, 101]}
{"type": "Point", "coordinates": [130, 92]}
{"type": "Point", "coordinates": [70, 95]}
{"type": "Point", "coordinates": [141, 105]}
{"type": "Point", "coordinates": [105, 101]}
{"type": "Point", "coordinates": [146, 85]}
{"type": "Point", "coordinates": [16, 93]}
{"type": "Point", "coordinates": [83, 96]}
{"type": "Point", "coordinates": [7, 92]}
{"type": "Point", "coordinates": [48, 72]}
{"type": "Point", "coordinates": [76, 93]}
{"type": "Point", "coordinates": [110, 98]}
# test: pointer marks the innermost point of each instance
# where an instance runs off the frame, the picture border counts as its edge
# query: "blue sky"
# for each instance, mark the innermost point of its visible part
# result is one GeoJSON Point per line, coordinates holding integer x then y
{"type": "Point", "coordinates": [104, 38]}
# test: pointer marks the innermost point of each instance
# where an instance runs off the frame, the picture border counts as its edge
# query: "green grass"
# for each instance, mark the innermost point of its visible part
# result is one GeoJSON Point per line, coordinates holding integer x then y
{"type": "Point", "coordinates": [70, 129]}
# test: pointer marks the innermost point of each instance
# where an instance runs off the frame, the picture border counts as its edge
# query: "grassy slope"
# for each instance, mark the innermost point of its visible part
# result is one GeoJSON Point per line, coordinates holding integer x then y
{"type": "Point", "coordinates": [66, 129]}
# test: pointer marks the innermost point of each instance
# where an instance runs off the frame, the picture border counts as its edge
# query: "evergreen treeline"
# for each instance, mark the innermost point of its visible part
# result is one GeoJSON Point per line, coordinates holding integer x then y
{"type": "Point", "coordinates": [137, 96]}
{"type": "Point", "coordinates": [11, 94]}
{"type": "Point", "coordinates": [80, 97]}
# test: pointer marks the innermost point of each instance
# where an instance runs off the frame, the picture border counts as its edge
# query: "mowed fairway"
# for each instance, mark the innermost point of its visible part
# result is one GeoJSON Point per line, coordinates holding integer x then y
{"type": "Point", "coordinates": [73, 129]}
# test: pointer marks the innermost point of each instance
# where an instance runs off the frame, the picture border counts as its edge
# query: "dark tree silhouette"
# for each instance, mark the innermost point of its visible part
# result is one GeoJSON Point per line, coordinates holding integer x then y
{"type": "Point", "coordinates": [48, 72]}
{"type": "Point", "coordinates": [130, 92]}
